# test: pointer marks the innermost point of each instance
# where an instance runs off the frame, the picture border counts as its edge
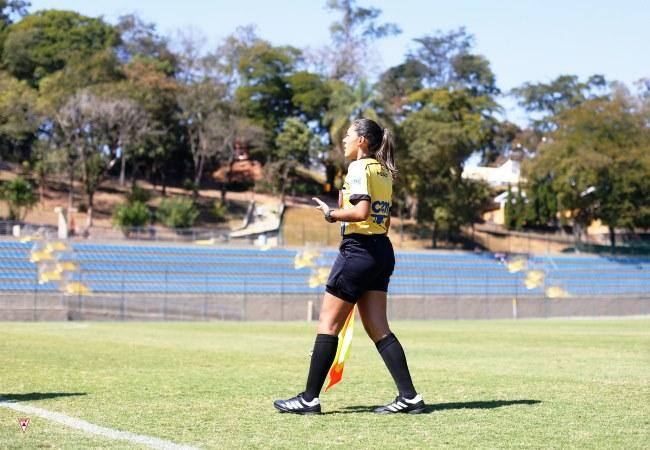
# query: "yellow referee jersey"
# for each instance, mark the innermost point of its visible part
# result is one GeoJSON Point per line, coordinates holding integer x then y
{"type": "Point", "coordinates": [367, 179]}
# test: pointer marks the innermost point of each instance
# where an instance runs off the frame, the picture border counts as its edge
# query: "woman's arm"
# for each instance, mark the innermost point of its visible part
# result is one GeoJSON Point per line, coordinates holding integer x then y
{"type": "Point", "coordinates": [358, 213]}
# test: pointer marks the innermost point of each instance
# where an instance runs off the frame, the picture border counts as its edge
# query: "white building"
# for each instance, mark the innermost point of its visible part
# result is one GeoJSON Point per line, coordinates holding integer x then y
{"type": "Point", "coordinates": [509, 173]}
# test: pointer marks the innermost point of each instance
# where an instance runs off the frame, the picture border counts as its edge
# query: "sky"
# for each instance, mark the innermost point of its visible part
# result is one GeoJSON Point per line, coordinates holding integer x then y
{"type": "Point", "coordinates": [524, 40]}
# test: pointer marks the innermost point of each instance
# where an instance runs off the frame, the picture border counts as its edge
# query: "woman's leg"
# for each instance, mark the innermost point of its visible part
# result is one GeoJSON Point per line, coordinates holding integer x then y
{"type": "Point", "coordinates": [332, 317]}
{"type": "Point", "coordinates": [372, 309]}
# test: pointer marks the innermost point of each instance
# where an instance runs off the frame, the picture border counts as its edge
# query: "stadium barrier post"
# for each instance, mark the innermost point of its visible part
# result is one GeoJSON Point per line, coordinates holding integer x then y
{"type": "Point", "coordinates": [515, 313]}
{"type": "Point", "coordinates": [205, 298]}
{"type": "Point", "coordinates": [422, 294]}
{"type": "Point", "coordinates": [123, 294]}
{"type": "Point", "coordinates": [426, 300]}
{"type": "Point", "coordinates": [166, 294]}
{"type": "Point", "coordinates": [244, 300]}
{"type": "Point", "coordinates": [81, 273]}
{"type": "Point", "coordinates": [35, 294]}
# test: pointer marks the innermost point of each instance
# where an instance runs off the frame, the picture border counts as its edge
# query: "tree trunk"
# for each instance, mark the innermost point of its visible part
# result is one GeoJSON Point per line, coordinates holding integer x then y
{"type": "Point", "coordinates": [90, 196]}
{"type": "Point", "coordinates": [122, 168]}
{"type": "Point", "coordinates": [163, 180]}
{"type": "Point", "coordinates": [70, 188]}
{"type": "Point", "coordinates": [224, 186]}
{"type": "Point", "coordinates": [199, 172]}
{"type": "Point", "coordinates": [612, 238]}
{"type": "Point", "coordinates": [285, 176]}
{"type": "Point", "coordinates": [434, 236]}
{"type": "Point", "coordinates": [576, 235]}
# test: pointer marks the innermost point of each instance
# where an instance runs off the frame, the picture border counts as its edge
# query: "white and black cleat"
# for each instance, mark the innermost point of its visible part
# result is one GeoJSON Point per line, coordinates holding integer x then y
{"type": "Point", "coordinates": [298, 405]}
{"type": "Point", "coordinates": [403, 405]}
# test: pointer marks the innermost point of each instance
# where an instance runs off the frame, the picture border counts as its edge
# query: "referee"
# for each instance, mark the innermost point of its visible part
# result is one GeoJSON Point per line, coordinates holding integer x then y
{"type": "Point", "coordinates": [362, 270]}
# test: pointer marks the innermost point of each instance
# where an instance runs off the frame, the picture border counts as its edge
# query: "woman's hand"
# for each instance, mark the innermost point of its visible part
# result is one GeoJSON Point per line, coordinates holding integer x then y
{"type": "Point", "coordinates": [327, 211]}
{"type": "Point", "coordinates": [321, 205]}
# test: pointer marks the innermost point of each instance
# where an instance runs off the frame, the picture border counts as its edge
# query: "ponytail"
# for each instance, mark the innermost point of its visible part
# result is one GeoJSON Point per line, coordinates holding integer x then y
{"type": "Point", "coordinates": [380, 143]}
{"type": "Point", "coordinates": [385, 153]}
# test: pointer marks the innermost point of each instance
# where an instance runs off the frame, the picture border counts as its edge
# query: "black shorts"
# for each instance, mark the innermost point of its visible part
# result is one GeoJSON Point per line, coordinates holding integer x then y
{"type": "Point", "coordinates": [364, 263]}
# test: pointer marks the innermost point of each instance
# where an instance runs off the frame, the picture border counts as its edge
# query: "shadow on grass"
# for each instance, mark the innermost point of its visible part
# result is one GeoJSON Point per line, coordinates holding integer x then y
{"type": "Point", "coordinates": [36, 396]}
{"type": "Point", "coordinates": [428, 409]}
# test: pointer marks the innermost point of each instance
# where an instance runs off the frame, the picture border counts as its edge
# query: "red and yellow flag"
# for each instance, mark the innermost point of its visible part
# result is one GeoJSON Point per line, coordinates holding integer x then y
{"type": "Point", "coordinates": [343, 350]}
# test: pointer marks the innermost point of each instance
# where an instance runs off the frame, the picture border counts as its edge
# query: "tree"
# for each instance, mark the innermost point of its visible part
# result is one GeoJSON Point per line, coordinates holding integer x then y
{"type": "Point", "coordinates": [125, 124]}
{"type": "Point", "coordinates": [140, 40]}
{"type": "Point", "coordinates": [44, 42]}
{"type": "Point", "coordinates": [547, 100]}
{"type": "Point", "coordinates": [351, 37]}
{"type": "Point", "coordinates": [444, 61]}
{"type": "Point", "coordinates": [97, 129]}
{"type": "Point", "coordinates": [19, 118]}
{"type": "Point", "coordinates": [9, 8]}
{"type": "Point", "coordinates": [148, 83]}
{"type": "Point", "coordinates": [20, 198]}
{"type": "Point", "coordinates": [295, 145]}
{"type": "Point", "coordinates": [598, 161]}
{"type": "Point", "coordinates": [265, 95]}
{"type": "Point", "coordinates": [203, 114]}
{"type": "Point", "coordinates": [445, 129]}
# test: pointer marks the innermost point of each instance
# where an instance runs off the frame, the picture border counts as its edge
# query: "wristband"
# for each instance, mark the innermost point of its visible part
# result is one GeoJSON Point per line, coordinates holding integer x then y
{"type": "Point", "coordinates": [328, 216]}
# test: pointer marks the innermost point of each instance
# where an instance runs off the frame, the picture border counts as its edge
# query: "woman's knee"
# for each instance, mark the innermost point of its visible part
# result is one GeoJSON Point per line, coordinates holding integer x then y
{"type": "Point", "coordinates": [377, 332]}
{"type": "Point", "coordinates": [328, 324]}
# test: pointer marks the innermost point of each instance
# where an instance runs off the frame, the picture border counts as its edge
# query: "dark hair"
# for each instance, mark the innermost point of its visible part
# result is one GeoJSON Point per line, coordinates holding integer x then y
{"type": "Point", "coordinates": [380, 142]}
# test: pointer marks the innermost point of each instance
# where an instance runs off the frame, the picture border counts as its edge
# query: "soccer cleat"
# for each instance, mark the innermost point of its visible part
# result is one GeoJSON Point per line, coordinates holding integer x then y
{"type": "Point", "coordinates": [298, 405]}
{"type": "Point", "coordinates": [403, 405]}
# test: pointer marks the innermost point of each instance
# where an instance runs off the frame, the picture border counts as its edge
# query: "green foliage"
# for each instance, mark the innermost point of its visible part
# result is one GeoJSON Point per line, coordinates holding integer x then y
{"type": "Point", "coordinates": [265, 95]}
{"type": "Point", "coordinates": [44, 42]}
{"type": "Point", "coordinates": [507, 210]}
{"type": "Point", "coordinates": [446, 128]}
{"type": "Point", "coordinates": [191, 186]}
{"type": "Point", "coordinates": [219, 211]}
{"type": "Point", "coordinates": [11, 8]}
{"type": "Point", "coordinates": [541, 209]}
{"type": "Point", "coordinates": [177, 212]}
{"type": "Point", "coordinates": [563, 93]}
{"type": "Point", "coordinates": [599, 162]}
{"type": "Point", "coordinates": [133, 214]}
{"type": "Point", "coordinates": [19, 118]}
{"type": "Point", "coordinates": [295, 145]}
{"type": "Point", "coordinates": [138, 194]}
{"type": "Point", "coordinates": [20, 197]}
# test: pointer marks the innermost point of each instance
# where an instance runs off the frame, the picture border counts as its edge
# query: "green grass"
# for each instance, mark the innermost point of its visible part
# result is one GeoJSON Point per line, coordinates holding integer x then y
{"type": "Point", "coordinates": [489, 384]}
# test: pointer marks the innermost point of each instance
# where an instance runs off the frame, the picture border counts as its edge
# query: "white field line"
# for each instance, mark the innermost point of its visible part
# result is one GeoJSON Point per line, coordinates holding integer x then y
{"type": "Point", "coordinates": [93, 429]}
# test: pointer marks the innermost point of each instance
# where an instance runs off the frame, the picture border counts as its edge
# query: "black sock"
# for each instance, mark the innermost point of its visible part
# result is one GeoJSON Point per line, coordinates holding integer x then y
{"type": "Point", "coordinates": [393, 354]}
{"type": "Point", "coordinates": [321, 360]}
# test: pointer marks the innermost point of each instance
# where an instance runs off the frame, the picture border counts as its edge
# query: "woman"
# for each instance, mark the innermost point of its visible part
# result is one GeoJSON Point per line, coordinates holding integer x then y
{"type": "Point", "coordinates": [361, 272]}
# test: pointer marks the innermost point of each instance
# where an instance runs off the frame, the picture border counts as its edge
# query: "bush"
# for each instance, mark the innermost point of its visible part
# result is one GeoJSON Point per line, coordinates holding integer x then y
{"type": "Point", "coordinates": [190, 185]}
{"type": "Point", "coordinates": [20, 197]}
{"type": "Point", "coordinates": [177, 212]}
{"type": "Point", "coordinates": [138, 194]}
{"type": "Point", "coordinates": [220, 211]}
{"type": "Point", "coordinates": [131, 215]}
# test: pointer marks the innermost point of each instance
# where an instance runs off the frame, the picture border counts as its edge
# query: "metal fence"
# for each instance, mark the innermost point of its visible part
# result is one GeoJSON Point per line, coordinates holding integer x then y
{"type": "Point", "coordinates": [419, 297]}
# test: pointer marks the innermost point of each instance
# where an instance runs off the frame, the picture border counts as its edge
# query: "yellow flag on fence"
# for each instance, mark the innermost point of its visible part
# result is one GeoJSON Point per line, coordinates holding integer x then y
{"type": "Point", "coordinates": [343, 350]}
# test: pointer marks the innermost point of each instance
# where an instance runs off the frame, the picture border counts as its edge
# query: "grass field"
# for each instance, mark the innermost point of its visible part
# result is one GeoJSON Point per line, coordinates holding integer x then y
{"type": "Point", "coordinates": [489, 384]}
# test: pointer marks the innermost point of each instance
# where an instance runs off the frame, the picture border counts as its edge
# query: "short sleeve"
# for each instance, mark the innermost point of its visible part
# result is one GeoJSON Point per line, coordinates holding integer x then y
{"type": "Point", "coordinates": [357, 180]}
